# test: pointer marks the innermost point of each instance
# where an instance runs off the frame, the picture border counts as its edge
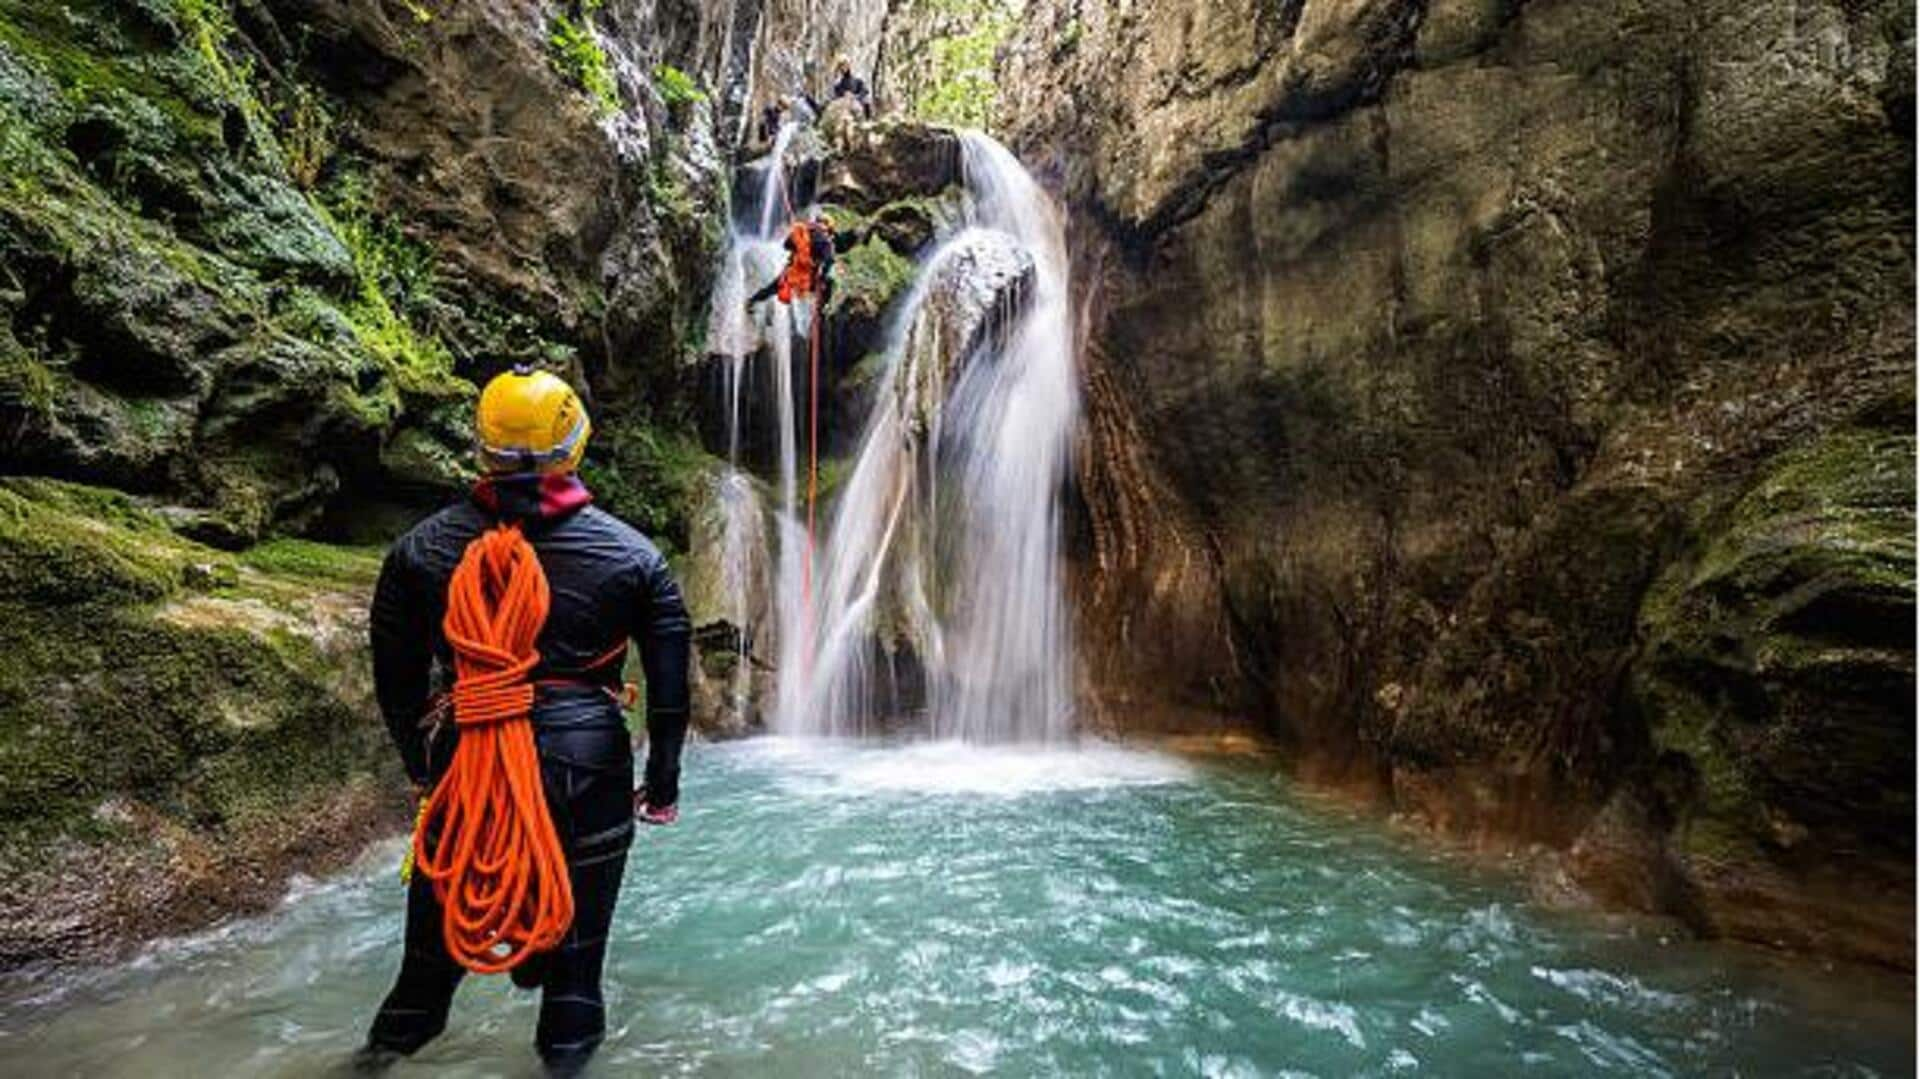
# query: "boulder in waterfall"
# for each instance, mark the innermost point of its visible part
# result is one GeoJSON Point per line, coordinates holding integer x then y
{"type": "Point", "coordinates": [727, 579]}
{"type": "Point", "coordinates": [870, 165]}
{"type": "Point", "coordinates": [979, 282]}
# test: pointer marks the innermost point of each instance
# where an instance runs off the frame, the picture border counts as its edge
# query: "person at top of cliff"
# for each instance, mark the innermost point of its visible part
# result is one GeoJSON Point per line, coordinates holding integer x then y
{"type": "Point", "coordinates": [770, 118]}
{"type": "Point", "coordinates": [783, 108]}
{"type": "Point", "coordinates": [847, 84]}
{"type": "Point", "coordinates": [811, 247]}
{"type": "Point", "coordinates": [482, 713]}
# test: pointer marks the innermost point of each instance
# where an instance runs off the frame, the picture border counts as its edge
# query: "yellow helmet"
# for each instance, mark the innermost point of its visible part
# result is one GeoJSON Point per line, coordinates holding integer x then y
{"type": "Point", "coordinates": [531, 421]}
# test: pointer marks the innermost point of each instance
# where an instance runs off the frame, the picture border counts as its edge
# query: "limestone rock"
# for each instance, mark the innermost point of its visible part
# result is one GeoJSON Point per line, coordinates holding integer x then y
{"type": "Point", "coordinates": [1429, 344]}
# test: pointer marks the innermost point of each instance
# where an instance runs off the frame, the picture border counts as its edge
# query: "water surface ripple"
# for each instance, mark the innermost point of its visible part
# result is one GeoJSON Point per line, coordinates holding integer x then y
{"type": "Point", "coordinates": [937, 910]}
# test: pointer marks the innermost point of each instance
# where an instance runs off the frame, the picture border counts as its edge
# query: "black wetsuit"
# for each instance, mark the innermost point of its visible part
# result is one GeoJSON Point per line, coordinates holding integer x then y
{"type": "Point", "coordinates": [607, 584]}
{"type": "Point", "coordinates": [820, 245]}
{"type": "Point", "coordinates": [851, 85]}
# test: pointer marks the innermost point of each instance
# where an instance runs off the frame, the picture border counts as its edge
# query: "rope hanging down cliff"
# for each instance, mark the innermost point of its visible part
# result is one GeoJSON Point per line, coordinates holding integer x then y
{"type": "Point", "coordinates": [485, 838]}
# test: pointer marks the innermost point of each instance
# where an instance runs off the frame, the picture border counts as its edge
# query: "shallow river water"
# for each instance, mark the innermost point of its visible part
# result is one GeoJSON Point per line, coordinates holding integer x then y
{"type": "Point", "coordinates": [937, 910]}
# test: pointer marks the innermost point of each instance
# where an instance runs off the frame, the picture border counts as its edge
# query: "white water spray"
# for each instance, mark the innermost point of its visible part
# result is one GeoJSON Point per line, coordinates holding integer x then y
{"type": "Point", "coordinates": [945, 544]}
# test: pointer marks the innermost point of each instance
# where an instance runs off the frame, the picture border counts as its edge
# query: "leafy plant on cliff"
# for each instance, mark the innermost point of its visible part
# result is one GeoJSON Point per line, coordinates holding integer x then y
{"type": "Point", "coordinates": [578, 55]}
{"type": "Point", "coordinates": [392, 273]}
{"type": "Point", "coordinates": [306, 135]}
{"type": "Point", "coordinates": [960, 88]}
{"type": "Point", "coordinates": [676, 87]}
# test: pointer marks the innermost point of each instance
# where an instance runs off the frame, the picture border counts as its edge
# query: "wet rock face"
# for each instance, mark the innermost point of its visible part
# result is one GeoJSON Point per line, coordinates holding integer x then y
{"type": "Point", "coordinates": [975, 290]}
{"type": "Point", "coordinates": [262, 253]}
{"type": "Point", "coordinates": [798, 41]}
{"type": "Point", "coordinates": [254, 258]}
{"type": "Point", "coordinates": [183, 727]}
{"type": "Point", "coordinates": [1430, 346]}
{"type": "Point", "coordinates": [871, 165]}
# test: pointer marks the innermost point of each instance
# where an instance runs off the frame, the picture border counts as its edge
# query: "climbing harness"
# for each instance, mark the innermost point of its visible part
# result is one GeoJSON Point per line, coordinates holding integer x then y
{"type": "Point", "coordinates": [496, 863]}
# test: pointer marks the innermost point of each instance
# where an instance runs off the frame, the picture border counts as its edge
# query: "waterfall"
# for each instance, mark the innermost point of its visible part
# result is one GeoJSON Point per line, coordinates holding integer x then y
{"type": "Point", "coordinates": [773, 190]}
{"type": "Point", "coordinates": [752, 257]}
{"type": "Point", "coordinates": [944, 545]}
{"type": "Point", "coordinates": [1008, 430]}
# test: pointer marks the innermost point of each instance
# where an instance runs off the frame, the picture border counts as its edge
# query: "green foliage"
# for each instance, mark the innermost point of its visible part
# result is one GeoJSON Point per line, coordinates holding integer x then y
{"type": "Point", "coordinates": [960, 88]}
{"type": "Point", "coordinates": [676, 87]}
{"type": "Point", "coordinates": [1069, 42]}
{"type": "Point", "coordinates": [580, 59]}
{"type": "Point", "coordinates": [306, 135]}
{"type": "Point", "coordinates": [392, 273]}
{"type": "Point", "coordinates": [649, 477]}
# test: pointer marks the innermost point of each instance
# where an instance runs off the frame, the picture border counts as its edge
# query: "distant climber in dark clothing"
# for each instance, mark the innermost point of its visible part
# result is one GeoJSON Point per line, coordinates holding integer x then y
{"type": "Point", "coordinates": [782, 109]}
{"type": "Point", "coordinates": [809, 269]}
{"type": "Point", "coordinates": [847, 84]}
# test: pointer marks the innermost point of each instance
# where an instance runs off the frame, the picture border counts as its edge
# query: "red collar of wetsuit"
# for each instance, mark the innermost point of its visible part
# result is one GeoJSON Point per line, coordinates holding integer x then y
{"type": "Point", "coordinates": [535, 495]}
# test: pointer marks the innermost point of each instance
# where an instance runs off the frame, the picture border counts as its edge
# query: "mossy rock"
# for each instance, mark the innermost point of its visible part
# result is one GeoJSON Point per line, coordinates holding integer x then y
{"type": "Point", "coordinates": [154, 690]}
{"type": "Point", "coordinates": [84, 546]}
{"type": "Point", "coordinates": [1778, 661]}
{"type": "Point", "coordinates": [651, 478]}
{"type": "Point", "coordinates": [188, 322]}
{"type": "Point", "coordinates": [868, 279]}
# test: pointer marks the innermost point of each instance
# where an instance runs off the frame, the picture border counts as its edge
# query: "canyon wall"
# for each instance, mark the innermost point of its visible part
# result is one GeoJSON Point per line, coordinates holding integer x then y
{"type": "Point", "coordinates": [1509, 405]}
{"type": "Point", "coordinates": [255, 257]}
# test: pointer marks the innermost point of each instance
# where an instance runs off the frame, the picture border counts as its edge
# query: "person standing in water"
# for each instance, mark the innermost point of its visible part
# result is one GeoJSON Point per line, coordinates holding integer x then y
{"type": "Point", "coordinates": [490, 704]}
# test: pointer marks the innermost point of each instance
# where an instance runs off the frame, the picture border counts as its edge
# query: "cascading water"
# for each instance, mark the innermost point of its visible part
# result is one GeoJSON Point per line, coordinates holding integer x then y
{"type": "Point", "coordinates": [945, 542]}
{"type": "Point", "coordinates": [736, 338]}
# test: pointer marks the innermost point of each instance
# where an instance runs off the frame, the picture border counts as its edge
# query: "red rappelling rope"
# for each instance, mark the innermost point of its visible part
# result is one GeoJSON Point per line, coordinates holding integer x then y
{"type": "Point", "coordinates": [813, 457]}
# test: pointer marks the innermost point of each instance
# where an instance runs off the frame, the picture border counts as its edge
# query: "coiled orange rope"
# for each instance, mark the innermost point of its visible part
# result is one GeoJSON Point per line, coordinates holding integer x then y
{"type": "Point", "coordinates": [498, 868]}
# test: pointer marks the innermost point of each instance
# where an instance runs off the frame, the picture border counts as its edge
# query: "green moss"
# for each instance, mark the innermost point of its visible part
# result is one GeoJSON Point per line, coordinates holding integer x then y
{"type": "Point", "coordinates": [845, 220]}
{"type": "Point", "coordinates": [577, 54]}
{"type": "Point", "coordinates": [290, 557]}
{"type": "Point", "coordinates": [1845, 501]}
{"type": "Point", "coordinates": [27, 384]}
{"type": "Point", "coordinates": [68, 544]}
{"type": "Point", "coordinates": [117, 682]}
{"type": "Point", "coordinates": [649, 477]}
{"type": "Point", "coordinates": [1777, 649]}
{"type": "Point", "coordinates": [667, 193]}
{"type": "Point", "coordinates": [870, 276]}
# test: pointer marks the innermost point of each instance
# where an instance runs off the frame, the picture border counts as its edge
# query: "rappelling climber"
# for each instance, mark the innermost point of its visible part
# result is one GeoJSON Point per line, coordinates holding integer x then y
{"type": "Point", "coordinates": [809, 270]}
{"type": "Point", "coordinates": [847, 84]}
{"type": "Point", "coordinates": [500, 628]}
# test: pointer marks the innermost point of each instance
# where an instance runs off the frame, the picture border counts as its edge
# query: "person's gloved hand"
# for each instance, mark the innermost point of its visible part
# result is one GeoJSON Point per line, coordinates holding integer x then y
{"type": "Point", "coordinates": [648, 813]}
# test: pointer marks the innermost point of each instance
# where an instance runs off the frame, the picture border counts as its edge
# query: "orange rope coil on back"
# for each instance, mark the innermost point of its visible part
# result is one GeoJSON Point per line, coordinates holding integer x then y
{"type": "Point", "coordinates": [498, 868]}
